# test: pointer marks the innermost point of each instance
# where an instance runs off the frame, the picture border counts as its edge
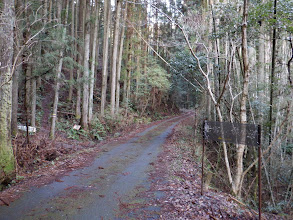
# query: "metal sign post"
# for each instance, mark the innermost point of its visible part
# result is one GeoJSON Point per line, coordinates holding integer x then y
{"type": "Point", "coordinates": [247, 134]}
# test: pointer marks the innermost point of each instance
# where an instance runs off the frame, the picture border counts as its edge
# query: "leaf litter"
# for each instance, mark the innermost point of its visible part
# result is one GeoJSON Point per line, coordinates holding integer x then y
{"type": "Point", "coordinates": [178, 177]}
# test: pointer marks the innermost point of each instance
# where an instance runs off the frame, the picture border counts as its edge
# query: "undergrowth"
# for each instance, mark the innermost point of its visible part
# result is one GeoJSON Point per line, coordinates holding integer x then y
{"type": "Point", "coordinates": [101, 127]}
{"type": "Point", "coordinates": [190, 146]}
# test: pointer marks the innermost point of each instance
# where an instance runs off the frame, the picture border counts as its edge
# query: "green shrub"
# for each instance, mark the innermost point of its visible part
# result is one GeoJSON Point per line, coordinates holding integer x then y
{"type": "Point", "coordinates": [97, 129]}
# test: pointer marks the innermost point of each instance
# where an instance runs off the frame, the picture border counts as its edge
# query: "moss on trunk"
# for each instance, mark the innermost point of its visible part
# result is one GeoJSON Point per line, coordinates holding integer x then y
{"type": "Point", "coordinates": [7, 170]}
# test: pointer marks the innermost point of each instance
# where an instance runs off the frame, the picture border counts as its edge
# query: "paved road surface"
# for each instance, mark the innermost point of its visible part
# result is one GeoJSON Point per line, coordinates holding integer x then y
{"type": "Point", "coordinates": [95, 192]}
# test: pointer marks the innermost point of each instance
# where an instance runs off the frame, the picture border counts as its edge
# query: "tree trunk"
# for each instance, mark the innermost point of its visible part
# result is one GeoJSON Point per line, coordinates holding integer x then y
{"type": "Point", "coordinates": [261, 64]}
{"type": "Point", "coordinates": [71, 79]}
{"type": "Point", "coordinates": [14, 129]}
{"type": "Point", "coordinates": [272, 76]}
{"type": "Point", "coordinates": [128, 72]}
{"type": "Point", "coordinates": [93, 64]}
{"type": "Point", "coordinates": [127, 80]}
{"type": "Point", "coordinates": [107, 17]}
{"type": "Point", "coordinates": [7, 169]}
{"type": "Point", "coordinates": [120, 61]}
{"type": "Point", "coordinates": [28, 76]}
{"type": "Point", "coordinates": [17, 37]}
{"type": "Point", "coordinates": [80, 57]}
{"type": "Point", "coordinates": [138, 55]}
{"type": "Point", "coordinates": [85, 97]}
{"type": "Point", "coordinates": [34, 101]}
{"type": "Point", "coordinates": [59, 67]}
{"type": "Point", "coordinates": [114, 56]}
{"type": "Point", "coordinates": [243, 116]}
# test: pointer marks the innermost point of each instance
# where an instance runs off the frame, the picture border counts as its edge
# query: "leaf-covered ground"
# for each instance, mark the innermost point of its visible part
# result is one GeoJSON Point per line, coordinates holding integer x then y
{"type": "Point", "coordinates": [176, 187]}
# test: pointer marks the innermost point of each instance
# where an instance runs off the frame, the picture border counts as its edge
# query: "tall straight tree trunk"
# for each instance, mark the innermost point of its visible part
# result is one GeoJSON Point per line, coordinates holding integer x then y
{"type": "Point", "coordinates": [272, 76]}
{"type": "Point", "coordinates": [138, 69]}
{"type": "Point", "coordinates": [7, 169]}
{"type": "Point", "coordinates": [80, 57]}
{"type": "Point", "coordinates": [93, 63]}
{"type": "Point", "coordinates": [33, 89]}
{"type": "Point", "coordinates": [107, 17]}
{"type": "Point", "coordinates": [15, 77]}
{"type": "Point", "coordinates": [34, 101]}
{"type": "Point", "coordinates": [26, 66]}
{"type": "Point", "coordinates": [76, 44]}
{"type": "Point", "coordinates": [243, 116]}
{"type": "Point", "coordinates": [71, 79]}
{"type": "Point", "coordinates": [59, 67]}
{"type": "Point", "coordinates": [85, 94]}
{"type": "Point", "coordinates": [114, 56]}
{"type": "Point", "coordinates": [261, 64]}
{"type": "Point", "coordinates": [28, 77]}
{"type": "Point", "coordinates": [127, 80]}
{"type": "Point", "coordinates": [120, 61]}
{"type": "Point", "coordinates": [128, 74]}
{"type": "Point", "coordinates": [137, 76]}
{"type": "Point", "coordinates": [124, 89]}
{"type": "Point", "coordinates": [98, 42]}
{"type": "Point", "coordinates": [14, 129]}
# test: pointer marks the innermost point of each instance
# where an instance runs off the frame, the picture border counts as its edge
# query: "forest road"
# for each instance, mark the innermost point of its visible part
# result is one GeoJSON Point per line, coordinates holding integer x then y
{"type": "Point", "coordinates": [97, 191]}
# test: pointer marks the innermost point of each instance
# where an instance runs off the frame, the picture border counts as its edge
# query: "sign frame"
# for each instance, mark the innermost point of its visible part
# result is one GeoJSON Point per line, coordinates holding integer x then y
{"type": "Point", "coordinates": [258, 143]}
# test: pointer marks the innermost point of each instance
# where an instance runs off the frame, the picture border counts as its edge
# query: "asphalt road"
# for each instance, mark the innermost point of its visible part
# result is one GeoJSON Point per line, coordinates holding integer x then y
{"type": "Point", "coordinates": [96, 191]}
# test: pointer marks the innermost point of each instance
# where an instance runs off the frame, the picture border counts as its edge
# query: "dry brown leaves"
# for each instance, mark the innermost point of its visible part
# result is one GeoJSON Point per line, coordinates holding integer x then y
{"type": "Point", "coordinates": [39, 151]}
{"type": "Point", "coordinates": [183, 199]}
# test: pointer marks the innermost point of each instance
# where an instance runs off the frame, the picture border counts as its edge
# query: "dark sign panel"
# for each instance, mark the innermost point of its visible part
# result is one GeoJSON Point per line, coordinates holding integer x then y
{"type": "Point", "coordinates": [231, 133]}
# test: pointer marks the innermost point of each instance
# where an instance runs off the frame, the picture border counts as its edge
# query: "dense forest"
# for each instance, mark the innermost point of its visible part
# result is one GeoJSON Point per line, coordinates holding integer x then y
{"type": "Point", "coordinates": [99, 64]}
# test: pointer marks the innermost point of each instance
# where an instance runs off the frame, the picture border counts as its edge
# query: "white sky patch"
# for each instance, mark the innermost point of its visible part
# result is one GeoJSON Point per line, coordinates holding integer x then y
{"type": "Point", "coordinates": [167, 2]}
